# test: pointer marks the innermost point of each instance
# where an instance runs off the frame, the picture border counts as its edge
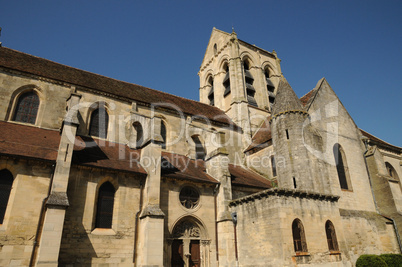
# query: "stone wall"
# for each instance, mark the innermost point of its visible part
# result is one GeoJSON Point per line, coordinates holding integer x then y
{"type": "Point", "coordinates": [29, 189]}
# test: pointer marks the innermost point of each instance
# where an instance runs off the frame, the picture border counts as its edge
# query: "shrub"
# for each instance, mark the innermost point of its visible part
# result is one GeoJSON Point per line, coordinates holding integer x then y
{"type": "Point", "coordinates": [370, 261]}
{"type": "Point", "coordinates": [392, 260]}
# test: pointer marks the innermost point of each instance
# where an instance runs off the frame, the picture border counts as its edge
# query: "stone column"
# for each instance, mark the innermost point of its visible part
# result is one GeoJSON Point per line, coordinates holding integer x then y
{"type": "Point", "coordinates": [57, 202]}
{"type": "Point", "coordinates": [217, 167]}
{"type": "Point", "coordinates": [152, 218]}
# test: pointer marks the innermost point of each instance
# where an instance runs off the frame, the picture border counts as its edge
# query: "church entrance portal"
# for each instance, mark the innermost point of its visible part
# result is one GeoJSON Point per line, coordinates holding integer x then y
{"type": "Point", "coordinates": [188, 245]}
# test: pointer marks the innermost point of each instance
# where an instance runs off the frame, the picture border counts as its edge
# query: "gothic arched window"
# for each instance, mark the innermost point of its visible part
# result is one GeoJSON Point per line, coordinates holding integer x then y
{"type": "Point", "coordinates": [211, 96]}
{"type": "Point", "coordinates": [199, 148]}
{"type": "Point", "coordinates": [6, 181]}
{"type": "Point", "coordinates": [104, 208]}
{"type": "Point", "coordinates": [27, 108]}
{"type": "Point", "coordinates": [331, 236]}
{"type": "Point", "coordinates": [249, 85]}
{"type": "Point", "coordinates": [391, 171]}
{"type": "Point", "coordinates": [299, 238]}
{"type": "Point", "coordinates": [163, 134]}
{"type": "Point", "coordinates": [139, 134]}
{"type": "Point", "coordinates": [226, 81]}
{"type": "Point", "coordinates": [99, 122]}
{"type": "Point", "coordinates": [270, 87]}
{"type": "Point", "coordinates": [342, 167]}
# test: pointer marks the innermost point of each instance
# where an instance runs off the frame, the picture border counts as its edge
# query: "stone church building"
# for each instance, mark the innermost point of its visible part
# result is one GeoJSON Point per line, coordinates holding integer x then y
{"type": "Point", "coordinates": [100, 172]}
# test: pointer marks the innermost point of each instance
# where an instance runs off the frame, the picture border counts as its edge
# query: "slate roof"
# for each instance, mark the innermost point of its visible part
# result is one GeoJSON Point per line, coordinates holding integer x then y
{"type": "Point", "coordinates": [26, 63]}
{"type": "Point", "coordinates": [286, 99]}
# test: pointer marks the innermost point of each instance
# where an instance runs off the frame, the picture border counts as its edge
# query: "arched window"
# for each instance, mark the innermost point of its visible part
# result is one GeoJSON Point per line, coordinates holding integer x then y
{"type": "Point", "coordinates": [163, 134]}
{"type": "Point", "coordinates": [99, 122]}
{"type": "Point", "coordinates": [273, 165]}
{"type": "Point", "coordinates": [104, 208]}
{"type": "Point", "coordinates": [215, 49]}
{"type": "Point", "coordinates": [341, 167]}
{"type": "Point", "coordinates": [299, 239]}
{"type": "Point", "coordinates": [331, 236]}
{"type": "Point", "coordinates": [249, 85]}
{"type": "Point", "coordinates": [391, 171]}
{"type": "Point", "coordinates": [226, 81]}
{"type": "Point", "coordinates": [6, 181]}
{"type": "Point", "coordinates": [211, 96]}
{"type": "Point", "coordinates": [199, 148]}
{"type": "Point", "coordinates": [270, 87]}
{"type": "Point", "coordinates": [27, 108]}
{"type": "Point", "coordinates": [139, 134]}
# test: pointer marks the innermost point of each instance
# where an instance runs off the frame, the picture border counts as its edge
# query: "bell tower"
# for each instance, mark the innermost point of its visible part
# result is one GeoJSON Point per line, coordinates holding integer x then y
{"type": "Point", "coordinates": [240, 79]}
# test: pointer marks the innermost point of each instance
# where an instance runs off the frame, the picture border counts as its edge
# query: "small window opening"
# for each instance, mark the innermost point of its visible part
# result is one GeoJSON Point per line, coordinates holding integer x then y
{"type": "Point", "coordinates": [287, 134]}
{"type": "Point", "coordinates": [139, 132]}
{"type": "Point", "coordinates": [273, 165]}
{"type": "Point", "coordinates": [215, 49]}
{"type": "Point", "coordinates": [226, 81]}
{"type": "Point", "coordinates": [391, 171]}
{"type": "Point", "coordinates": [294, 182]}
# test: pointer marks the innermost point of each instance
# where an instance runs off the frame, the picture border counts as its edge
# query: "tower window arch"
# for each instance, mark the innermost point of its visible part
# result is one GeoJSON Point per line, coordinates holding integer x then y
{"type": "Point", "coordinates": [163, 134]}
{"type": "Point", "coordinates": [199, 148]}
{"type": "Point", "coordinates": [99, 122]}
{"type": "Point", "coordinates": [139, 133]}
{"type": "Point", "coordinates": [104, 208]}
{"type": "Point", "coordinates": [27, 108]}
{"type": "Point", "coordinates": [391, 171]}
{"type": "Point", "coordinates": [331, 236]}
{"type": "Point", "coordinates": [342, 167]}
{"type": "Point", "coordinates": [270, 87]}
{"type": "Point", "coordinates": [226, 80]}
{"type": "Point", "coordinates": [299, 238]}
{"type": "Point", "coordinates": [211, 96]}
{"type": "Point", "coordinates": [6, 181]}
{"type": "Point", "coordinates": [249, 80]}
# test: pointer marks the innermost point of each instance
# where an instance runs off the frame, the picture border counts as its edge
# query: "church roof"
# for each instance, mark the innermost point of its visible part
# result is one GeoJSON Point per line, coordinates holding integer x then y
{"type": "Point", "coordinates": [19, 61]}
{"type": "Point", "coordinates": [378, 141]}
{"type": "Point", "coordinates": [42, 144]}
{"type": "Point", "coordinates": [286, 99]}
{"type": "Point", "coordinates": [261, 136]}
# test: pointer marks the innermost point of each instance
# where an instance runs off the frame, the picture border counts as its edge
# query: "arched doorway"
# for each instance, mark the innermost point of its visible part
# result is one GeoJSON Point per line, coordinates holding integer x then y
{"type": "Point", "coordinates": [189, 244]}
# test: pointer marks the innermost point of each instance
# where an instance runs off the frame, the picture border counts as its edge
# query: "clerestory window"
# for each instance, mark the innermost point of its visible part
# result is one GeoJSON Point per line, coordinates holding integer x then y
{"type": "Point", "coordinates": [27, 108]}
{"type": "Point", "coordinates": [104, 210]}
{"type": "Point", "coordinates": [99, 122]}
{"type": "Point", "coordinates": [342, 167]}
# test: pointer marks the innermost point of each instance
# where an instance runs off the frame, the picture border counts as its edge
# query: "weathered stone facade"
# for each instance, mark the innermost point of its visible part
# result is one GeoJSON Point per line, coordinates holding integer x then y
{"type": "Point", "coordinates": [99, 172]}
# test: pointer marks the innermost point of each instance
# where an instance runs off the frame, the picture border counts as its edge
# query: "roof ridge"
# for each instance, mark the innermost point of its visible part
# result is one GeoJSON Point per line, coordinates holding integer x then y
{"type": "Point", "coordinates": [379, 138]}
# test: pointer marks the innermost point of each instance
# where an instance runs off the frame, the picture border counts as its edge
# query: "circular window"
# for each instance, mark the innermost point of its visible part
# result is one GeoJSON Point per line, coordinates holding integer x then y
{"type": "Point", "coordinates": [189, 197]}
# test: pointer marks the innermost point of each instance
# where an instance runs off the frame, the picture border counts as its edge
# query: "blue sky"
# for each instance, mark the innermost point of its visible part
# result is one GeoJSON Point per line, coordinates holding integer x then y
{"type": "Point", "coordinates": [356, 45]}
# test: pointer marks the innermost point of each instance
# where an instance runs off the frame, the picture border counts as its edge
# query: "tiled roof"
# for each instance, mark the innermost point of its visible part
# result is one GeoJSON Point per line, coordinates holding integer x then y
{"type": "Point", "coordinates": [28, 141]}
{"type": "Point", "coordinates": [19, 61]}
{"type": "Point", "coordinates": [261, 136]}
{"type": "Point", "coordinates": [244, 177]}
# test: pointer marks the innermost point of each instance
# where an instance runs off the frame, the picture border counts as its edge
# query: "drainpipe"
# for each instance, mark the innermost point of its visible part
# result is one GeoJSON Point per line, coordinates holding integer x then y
{"type": "Point", "coordinates": [40, 221]}
{"type": "Point", "coordinates": [137, 215]}
{"type": "Point", "coordinates": [365, 139]}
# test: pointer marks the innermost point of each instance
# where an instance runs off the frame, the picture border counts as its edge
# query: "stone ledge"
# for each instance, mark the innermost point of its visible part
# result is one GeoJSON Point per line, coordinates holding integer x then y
{"type": "Point", "coordinates": [58, 199]}
{"type": "Point", "coordinates": [284, 192]}
{"type": "Point", "coordinates": [152, 211]}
